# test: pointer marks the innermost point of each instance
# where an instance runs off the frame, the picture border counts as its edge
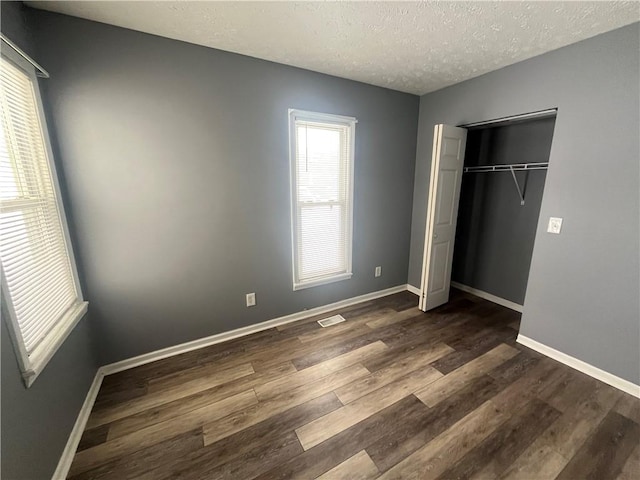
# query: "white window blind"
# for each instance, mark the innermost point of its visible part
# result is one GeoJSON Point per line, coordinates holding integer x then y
{"type": "Point", "coordinates": [322, 197]}
{"type": "Point", "coordinates": [39, 284]}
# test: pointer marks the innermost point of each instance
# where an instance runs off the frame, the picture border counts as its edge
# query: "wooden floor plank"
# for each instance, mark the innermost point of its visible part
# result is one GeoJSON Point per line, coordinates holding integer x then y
{"type": "Point", "coordinates": [250, 416]}
{"type": "Point", "coordinates": [628, 406]}
{"type": "Point", "coordinates": [569, 432]}
{"type": "Point", "coordinates": [241, 443]}
{"type": "Point", "coordinates": [604, 454]}
{"type": "Point", "coordinates": [474, 346]}
{"type": "Point", "coordinates": [396, 445]}
{"type": "Point", "coordinates": [93, 436]}
{"type": "Point", "coordinates": [567, 390]}
{"type": "Point", "coordinates": [537, 461]}
{"type": "Point", "coordinates": [358, 467]}
{"type": "Point", "coordinates": [386, 320]}
{"type": "Point", "coordinates": [446, 449]}
{"type": "Point", "coordinates": [344, 445]}
{"type": "Point", "coordinates": [632, 466]}
{"type": "Point", "coordinates": [333, 423]}
{"type": "Point", "coordinates": [418, 359]}
{"type": "Point", "coordinates": [519, 392]}
{"type": "Point", "coordinates": [153, 434]}
{"type": "Point", "coordinates": [166, 411]}
{"type": "Point", "coordinates": [454, 381]}
{"type": "Point", "coordinates": [514, 368]}
{"type": "Point", "coordinates": [158, 457]}
{"type": "Point", "coordinates": [315, 356]}
{"type": "Point", "coordinates": [262, 458]}
{"type": "Point", "coordinates": [301, 377]}
{"type": "Point", "coordinates": [495, 453]}
{"type": "Point", "coordinates": [146, 402]}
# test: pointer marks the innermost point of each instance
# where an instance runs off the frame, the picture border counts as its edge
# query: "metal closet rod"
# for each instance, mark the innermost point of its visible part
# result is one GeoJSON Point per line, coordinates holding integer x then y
{"type": "Point", "coordinates": [40, 72]}
{"type": "Point", "coordinates": [511, 167]}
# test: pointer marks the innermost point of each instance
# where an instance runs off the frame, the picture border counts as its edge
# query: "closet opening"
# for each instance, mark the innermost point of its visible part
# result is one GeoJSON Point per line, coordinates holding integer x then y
{"type": "Point", "coordinates": [499, 207]}
{"type": "Point", "coordinates": [486, 186]}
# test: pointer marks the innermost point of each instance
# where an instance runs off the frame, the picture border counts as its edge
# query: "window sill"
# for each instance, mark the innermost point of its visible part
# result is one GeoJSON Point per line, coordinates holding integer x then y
{"type": "Point", "coordinates": [322, 281]}
{"type": "Point", "coordinates": [41, 356]}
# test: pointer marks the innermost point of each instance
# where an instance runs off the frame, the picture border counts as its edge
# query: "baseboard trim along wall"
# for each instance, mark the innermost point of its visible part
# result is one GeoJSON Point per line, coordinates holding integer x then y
{"type": "Point", "coordinates": [62, 470]}
{"type": "Point", "coordinates": [586, 368]}
{"type": "Point", "coordinates": [414, 290]}
{"type": "Point", "coordinates": [488, 296]}
{"type": "Point", "coordinates": [241, 332]}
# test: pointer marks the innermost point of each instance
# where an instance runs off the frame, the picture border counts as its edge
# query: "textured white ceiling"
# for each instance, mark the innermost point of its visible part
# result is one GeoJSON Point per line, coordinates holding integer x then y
{"type": "Point", "coordinates": [415, 47]}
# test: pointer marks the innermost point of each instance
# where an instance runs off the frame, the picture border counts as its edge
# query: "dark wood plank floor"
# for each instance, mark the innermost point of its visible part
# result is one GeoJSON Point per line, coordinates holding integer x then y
{"type": "Point", "coordinates": [390, 393]}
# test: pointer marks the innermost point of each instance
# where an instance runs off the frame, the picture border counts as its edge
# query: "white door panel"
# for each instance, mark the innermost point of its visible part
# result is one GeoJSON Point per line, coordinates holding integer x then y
{"type": "Point", "coordinates": [442, 214]}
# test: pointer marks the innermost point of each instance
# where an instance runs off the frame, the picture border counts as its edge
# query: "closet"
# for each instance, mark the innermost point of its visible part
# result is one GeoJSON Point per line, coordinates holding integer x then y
{"type": "Point", "coordinates": [505, 168]}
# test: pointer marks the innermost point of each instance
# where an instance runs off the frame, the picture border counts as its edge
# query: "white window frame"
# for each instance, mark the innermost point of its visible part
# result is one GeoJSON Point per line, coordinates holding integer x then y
{"type": "Point", "coordinates": [31, 366]}
{"type": "Point", "coordinates": [350, 122]}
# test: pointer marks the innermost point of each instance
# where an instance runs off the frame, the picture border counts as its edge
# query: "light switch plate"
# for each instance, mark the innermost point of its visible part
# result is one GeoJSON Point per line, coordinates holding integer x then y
{"type": "Point", "coordinates": [555, 225]}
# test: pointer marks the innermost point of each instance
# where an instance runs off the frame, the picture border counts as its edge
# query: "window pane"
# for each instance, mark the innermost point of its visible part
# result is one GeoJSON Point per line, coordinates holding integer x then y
{"type": "Point", "coordinates": [321, 240]}
{"type": "Point", "coordinates": [319, 159]}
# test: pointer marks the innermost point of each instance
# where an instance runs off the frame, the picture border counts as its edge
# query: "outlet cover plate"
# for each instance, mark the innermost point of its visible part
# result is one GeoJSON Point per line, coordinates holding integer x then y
{"type": "Point", "coordinates": [251, 299]}
{"type": "Point", "coordinates": [555, 225]}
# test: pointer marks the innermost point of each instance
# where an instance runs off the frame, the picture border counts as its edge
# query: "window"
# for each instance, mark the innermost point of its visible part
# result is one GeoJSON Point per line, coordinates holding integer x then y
{"type": "Point", "coordinates": [40, 293]}
{"type": "Point", "coordinates": [322, 149]}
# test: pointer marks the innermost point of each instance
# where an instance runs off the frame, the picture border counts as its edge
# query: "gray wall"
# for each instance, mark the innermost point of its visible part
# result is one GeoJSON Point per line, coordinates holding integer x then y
{"type": "Point", "coordinates": [36, 422]}
{"type": "Point", "coordinates": [582, 296]}
{"type": "Point", "coordinates": [176, 162]}
{"type": "Point", "coordinates": [495, 234]}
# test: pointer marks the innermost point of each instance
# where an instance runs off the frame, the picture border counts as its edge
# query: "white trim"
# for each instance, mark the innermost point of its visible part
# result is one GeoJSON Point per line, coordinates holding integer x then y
{"type": "Point", "coordinates": [308, 115]}
{"type": "Point", "coordinates": [41, 355]}
{"type": "Point", "coordinates": [350, 123]}
{"type": "Point", "coordinates": [586, 368]}
{"type": "Point", "coordinates": [488, 296]}
{"type": "Point", "coordinates": [240, 332]}
{"type": "Point", "coordinates": [412, 289]}
{"type": "Point", "coordinates": [433, 183]}
{"type": "Point", "coordinates": [322, 281]}
{"type": "Point", "coordinates": [70, 448]}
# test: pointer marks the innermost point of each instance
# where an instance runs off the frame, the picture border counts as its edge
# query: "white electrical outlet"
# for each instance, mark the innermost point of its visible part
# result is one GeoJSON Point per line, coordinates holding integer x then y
{"type": "Point", "coordinates": [378, 271]}
{"type": "Point", "coordinates": [251, 299]}
{"type": "Point", "coordinates": [555, 225]}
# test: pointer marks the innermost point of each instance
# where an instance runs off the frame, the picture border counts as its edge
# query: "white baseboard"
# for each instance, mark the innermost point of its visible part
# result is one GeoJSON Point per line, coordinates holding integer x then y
{"type": "Point", "coordinates": [240, 332]}
{"type": "Point", "coordinates": [487, 296]}
{"type": "Point", "coordinates": [412, 289]}
{"type": "Point", "coordinates": [586, 368]}
{"type": "Point", "coordinates": [70, 448]}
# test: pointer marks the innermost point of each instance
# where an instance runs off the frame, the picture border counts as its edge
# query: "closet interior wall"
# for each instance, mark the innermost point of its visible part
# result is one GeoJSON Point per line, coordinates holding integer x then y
{"type": "Point", "coordinates": [495, 234]}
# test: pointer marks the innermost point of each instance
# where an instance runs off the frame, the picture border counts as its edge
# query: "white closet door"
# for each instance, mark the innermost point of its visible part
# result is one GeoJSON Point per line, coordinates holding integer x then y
{"type": "Point", "coordinates": [442, 213]}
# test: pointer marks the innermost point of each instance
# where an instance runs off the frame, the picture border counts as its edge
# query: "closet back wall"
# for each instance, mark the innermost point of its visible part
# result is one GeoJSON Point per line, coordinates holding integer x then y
{"type": "Point", "coordinates": [176, 160]}
{"type": "Point", "coordinates": [495, 234]}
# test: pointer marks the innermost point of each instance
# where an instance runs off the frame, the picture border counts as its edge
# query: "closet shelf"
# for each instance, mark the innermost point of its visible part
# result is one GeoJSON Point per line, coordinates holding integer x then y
{"type": "Point", "coordinates": [507, 167]}
{"type": "Point", "coordinates": [511, 167]}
